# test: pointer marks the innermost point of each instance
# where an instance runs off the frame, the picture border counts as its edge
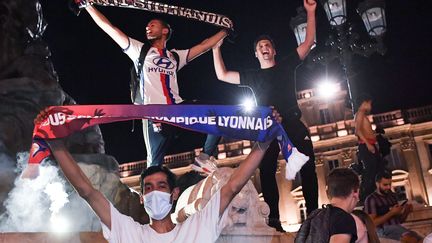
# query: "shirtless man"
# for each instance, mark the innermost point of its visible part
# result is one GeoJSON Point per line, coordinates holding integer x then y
{"type": "Point", "coordinates": [368, 151]}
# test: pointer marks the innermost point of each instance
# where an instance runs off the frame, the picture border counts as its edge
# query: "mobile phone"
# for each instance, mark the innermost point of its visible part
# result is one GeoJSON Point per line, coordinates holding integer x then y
{"type": "Point", "coordinates": [403, 202]}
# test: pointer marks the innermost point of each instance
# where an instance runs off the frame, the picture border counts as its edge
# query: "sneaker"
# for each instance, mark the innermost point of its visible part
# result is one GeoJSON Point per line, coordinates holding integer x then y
{"type": "Point", "coordinates": [276, 224]}
{"type": "Point", "coordinates": [204, 164]}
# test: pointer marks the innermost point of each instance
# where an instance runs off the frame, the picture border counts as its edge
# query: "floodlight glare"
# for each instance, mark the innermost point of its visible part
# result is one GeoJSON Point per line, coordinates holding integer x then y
{"type": "Point", "coordinates": [248, 104]}
{"type": "Point", "coordinates": [327, 89]}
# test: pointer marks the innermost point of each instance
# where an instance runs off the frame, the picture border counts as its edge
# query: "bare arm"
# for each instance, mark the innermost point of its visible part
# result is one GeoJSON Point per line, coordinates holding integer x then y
{"type": "Point", "coordinates": [360, 130]}
{"type": "Point", "coordinates": [359, 118]}
{"type": "Point", "coordinates": [340, 238]}
{"type": "Point", "coordinates": [379, 220]}
{"type": "Point", "coordinates": [205, 45]}
{"type": "Point", "coordinates": [243, 173]}
{"type": "Point", "coordinates": [222, 73]}
{"type": "Point", "coordinates": [116, 34]}
{"type": "Point", "coordinates": [241, 176]}
{"type": "Point", "coordinates": [80, 182]}
{"type": "Point", "coordinates": [304, 48]}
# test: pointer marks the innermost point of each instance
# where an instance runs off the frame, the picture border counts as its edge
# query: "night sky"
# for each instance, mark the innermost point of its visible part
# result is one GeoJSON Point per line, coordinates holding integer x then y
{"type": "Point", "coordinates": [93, 69]}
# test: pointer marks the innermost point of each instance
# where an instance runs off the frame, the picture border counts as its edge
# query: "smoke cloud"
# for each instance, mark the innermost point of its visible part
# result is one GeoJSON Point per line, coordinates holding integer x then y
{"type": "Point", "coordinates": [45, 204]}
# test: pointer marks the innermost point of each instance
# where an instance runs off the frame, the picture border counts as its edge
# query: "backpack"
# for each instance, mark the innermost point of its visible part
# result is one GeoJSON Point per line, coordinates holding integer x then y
{"type": "Point", "coordinates": [136, 73]}
{"type": "Point", "coordinates": [316, 228]}
{"type": "Point", "coordinates": [384, 146]}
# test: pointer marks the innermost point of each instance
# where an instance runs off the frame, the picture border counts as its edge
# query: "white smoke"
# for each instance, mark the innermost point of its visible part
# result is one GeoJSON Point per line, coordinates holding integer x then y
{"type": "Point", "coordinates": [43, 204]}
{"type": "Point", "coordinates": [31, 202]}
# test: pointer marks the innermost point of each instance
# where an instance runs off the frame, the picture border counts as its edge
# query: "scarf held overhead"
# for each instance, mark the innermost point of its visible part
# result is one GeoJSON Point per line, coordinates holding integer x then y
{"type": "Point", "coordinates": [228, 121]}
{"type": "Point", "coordinates": [206, 17]}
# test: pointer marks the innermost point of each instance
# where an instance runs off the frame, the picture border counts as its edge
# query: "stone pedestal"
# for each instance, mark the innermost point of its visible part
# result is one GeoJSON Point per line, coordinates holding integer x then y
{"type": "Point", "coordinates": [414, 169]}
{"type": "Point", "coordinates": [420, 220]}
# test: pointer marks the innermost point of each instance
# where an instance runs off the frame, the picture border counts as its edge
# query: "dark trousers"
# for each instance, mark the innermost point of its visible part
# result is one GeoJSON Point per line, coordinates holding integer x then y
{"type": "Point", "coordinates": [372, 164]}
{"type": "Point", "coordinates": [299, 135]}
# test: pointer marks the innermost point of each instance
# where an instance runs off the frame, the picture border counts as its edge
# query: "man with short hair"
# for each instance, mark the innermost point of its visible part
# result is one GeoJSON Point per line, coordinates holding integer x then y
{"type": "Point", "coordinates": [158, 191]}
{"type": "Point", "coordinates": [367, 148]}
{"type": "Point", "coordinates": [274, 84]}
{"type": "Point", "coordinates": [158, 75]}
{"type": "Point", "coordinates": [386, 212]}
{"type": "Point", "coordinates": [343, 192]}
{"type": "Point", "coordinates": [334, 223]}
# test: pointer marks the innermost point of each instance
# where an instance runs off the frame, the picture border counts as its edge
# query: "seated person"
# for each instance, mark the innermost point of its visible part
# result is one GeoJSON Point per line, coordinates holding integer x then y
{"type": "Point", "coordinates": [386, 213]}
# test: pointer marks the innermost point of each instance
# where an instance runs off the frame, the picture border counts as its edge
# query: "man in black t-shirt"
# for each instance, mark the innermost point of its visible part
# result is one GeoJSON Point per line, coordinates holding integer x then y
{"type": "Point", "coordinates": [334, 222]}
{"type": "Point", "coordinates": [274, 84]}
{"type": "Point", "coordinates": [343, 191]}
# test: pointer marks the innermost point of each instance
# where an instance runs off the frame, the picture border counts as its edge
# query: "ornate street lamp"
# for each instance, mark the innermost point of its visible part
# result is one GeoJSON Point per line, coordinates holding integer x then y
{"type": "Point", "coordinates": [298, 25]}
{"type": "Point", "coordinates": [345, 43]}
{"type": "Point", "coordinates": [336, 11]}
{"type": "Point", "coordinates": [373, 14]}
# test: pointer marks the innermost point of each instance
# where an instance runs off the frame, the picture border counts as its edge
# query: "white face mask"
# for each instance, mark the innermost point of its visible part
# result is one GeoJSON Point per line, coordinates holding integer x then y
{"type": "Point", "coordinates": [157, 204]}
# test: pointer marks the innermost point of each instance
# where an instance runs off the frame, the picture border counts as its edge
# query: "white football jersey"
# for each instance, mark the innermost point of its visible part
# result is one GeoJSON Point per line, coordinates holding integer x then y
{"type": "Point", "coordinates": [158, 83]}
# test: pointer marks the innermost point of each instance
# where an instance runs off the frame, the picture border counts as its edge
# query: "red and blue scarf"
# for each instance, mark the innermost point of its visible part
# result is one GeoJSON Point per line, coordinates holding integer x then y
{"type": "Point", "coordinates": [228, 121]}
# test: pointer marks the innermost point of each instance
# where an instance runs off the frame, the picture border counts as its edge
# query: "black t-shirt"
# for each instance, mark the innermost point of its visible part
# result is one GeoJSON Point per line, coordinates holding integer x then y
{"type": "Point", "coordinates": [276, 85]}
{"type": "Point", "coordinates": [342, 222]}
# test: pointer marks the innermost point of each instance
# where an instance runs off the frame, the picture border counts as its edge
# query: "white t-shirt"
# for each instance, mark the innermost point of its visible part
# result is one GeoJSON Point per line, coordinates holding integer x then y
{"type": "Point", "coordinates": [203, 226]}
{"type": "Point", "coordinates": [158, 84]}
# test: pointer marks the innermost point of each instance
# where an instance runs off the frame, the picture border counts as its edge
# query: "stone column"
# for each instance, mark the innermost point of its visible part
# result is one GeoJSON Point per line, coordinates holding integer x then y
{"type": "Point", "coordinates": [321, 171]}
{"type": "Point", "coordinates": [409, 152]}
{"type": "Point", "coordinates": [288, 209]}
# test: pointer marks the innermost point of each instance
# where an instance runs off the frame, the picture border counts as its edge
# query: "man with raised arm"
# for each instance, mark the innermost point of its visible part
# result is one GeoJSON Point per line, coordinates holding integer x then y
{"type": "Point", "coordinates": [274, 84]}
{"type": "Point", "coordinates": [158, 191]}
{"type": "Point", "coordinates": [158, 74]}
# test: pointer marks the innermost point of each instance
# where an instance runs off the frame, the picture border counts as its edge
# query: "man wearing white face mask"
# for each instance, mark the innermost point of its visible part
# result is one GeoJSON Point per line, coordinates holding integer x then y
{"type": "Point", "coordinates": [158, 192]}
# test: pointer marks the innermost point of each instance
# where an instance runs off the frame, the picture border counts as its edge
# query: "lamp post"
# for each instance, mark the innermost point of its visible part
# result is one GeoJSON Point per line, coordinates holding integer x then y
{"type": "Point", "coordinates": [345, 43]}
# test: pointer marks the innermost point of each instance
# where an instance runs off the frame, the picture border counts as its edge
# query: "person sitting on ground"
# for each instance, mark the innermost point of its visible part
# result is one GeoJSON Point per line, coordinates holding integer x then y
{"type": "Point", "coordinates": [158, 191]}
{"type": "Point", "coordinates": [387, 213]}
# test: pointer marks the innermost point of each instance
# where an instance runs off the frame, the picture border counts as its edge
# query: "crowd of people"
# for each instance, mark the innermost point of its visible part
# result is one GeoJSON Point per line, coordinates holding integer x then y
{"type": "Point", "coordinates": [336, 222]}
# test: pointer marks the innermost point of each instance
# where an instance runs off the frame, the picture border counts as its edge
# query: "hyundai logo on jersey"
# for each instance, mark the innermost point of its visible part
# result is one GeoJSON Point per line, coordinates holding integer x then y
{"type": "Point", "coordinates": [163, 62]}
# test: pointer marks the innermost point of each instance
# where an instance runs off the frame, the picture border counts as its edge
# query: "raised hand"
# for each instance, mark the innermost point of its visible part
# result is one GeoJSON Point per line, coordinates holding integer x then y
{"type": "Point", "coordinates": [218, 44]}
{"type": "Point", "coordinates": [309, 5]}
{"type": "Point", "coordinates": [43, 115]}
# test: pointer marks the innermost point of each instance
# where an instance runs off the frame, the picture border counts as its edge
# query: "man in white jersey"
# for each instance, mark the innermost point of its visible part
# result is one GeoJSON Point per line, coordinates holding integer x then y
{"type": "Point", "coordinates": [158, 192]}
{"type": "Point", "coordinates": [158, 78]}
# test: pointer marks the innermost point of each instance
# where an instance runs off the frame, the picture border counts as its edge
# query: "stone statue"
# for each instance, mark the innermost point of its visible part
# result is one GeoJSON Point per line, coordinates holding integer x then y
{"type": "Point", "coordinates": [28, 84]}
{"type": "Point", "coordinates": [246, 212]}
